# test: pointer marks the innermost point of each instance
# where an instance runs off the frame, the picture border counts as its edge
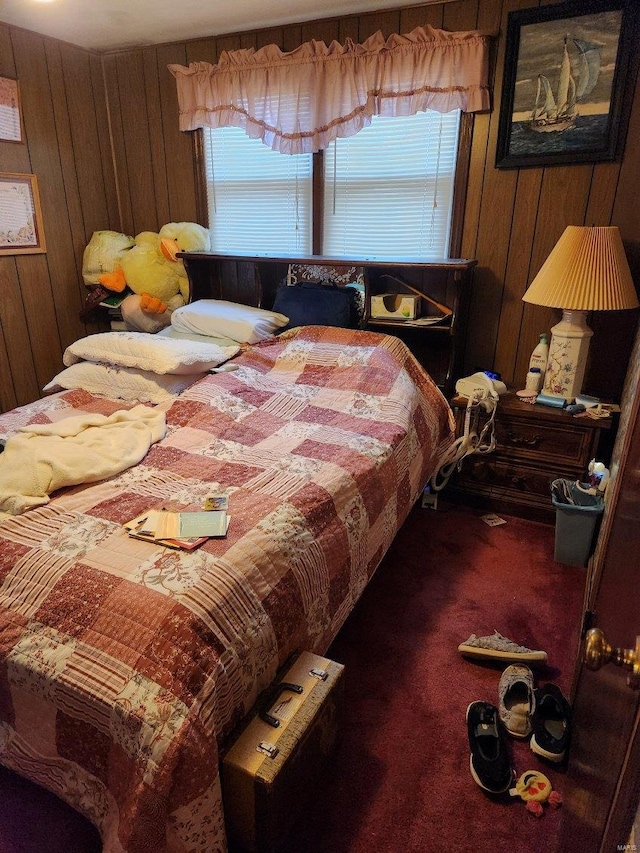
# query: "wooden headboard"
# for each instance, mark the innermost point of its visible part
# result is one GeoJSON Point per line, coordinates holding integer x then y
{"type": "Point", "coordinates": [243, 280]}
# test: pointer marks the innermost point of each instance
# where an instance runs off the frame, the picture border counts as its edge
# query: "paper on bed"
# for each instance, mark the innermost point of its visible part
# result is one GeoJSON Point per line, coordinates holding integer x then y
{"type": "Point", "coordinates": [188, 525]}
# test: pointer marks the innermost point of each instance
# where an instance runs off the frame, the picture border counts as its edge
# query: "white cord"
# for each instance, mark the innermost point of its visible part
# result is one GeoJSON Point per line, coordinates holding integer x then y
{"type": "Point", "coordinates": [469, 442]}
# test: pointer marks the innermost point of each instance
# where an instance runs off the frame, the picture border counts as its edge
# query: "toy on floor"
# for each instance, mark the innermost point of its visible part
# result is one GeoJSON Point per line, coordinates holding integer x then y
{"type": "Point", "coordinates": [535, 789]}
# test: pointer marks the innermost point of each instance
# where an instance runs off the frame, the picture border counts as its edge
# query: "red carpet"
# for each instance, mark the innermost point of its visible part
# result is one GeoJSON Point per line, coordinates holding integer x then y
{"type": "Point", "coordinates": [400, 780]}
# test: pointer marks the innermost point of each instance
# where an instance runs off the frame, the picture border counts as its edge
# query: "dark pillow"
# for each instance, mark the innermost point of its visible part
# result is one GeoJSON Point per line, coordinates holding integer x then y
{"type": "Point", "coordinates": [317, 304]}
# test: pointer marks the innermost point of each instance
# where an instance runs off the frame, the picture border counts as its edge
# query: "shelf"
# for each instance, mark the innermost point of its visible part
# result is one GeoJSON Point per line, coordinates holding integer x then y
{"type": "Point", "coordinates": [444, 327]}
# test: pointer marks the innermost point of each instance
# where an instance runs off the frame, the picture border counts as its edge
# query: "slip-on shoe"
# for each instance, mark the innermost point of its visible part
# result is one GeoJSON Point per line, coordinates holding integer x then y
{"type": "Point", "coordinates": [551, 724]}
{"type": "Point", "coordinates": [498, 648]}
{"type": "Point", "coordinates": [516, 700]}
{"type": "Point", "coordinates": [489, 760]}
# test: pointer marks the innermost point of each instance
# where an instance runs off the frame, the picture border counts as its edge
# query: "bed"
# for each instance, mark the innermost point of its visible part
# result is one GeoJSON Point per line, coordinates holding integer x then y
{"type": "Point", "coordinates": [125, 666]}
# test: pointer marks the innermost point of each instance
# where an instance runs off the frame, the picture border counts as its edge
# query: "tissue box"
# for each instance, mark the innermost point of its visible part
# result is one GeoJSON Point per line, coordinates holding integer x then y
{"type": "Point", "coordinates": [395, 306]}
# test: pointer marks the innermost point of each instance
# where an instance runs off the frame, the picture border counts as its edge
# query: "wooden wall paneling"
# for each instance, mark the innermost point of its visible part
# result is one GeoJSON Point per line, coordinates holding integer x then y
{"type": "Point", "coordinates": [7, 64]}
{"type": "Point", "coordinates": [35, 276]}
{"type": "Point", "coordinates": [181, 169]}
{"type": "Point", "coordinates": [493, 236]}
{"type": "Point", "coordinates": [9, 156]}
{"type": "Point", "coordinates": [291, 37]}
{"type": "Point", "coordinates": [517, 277]}
{"type": "Point", "coordinates": [326, 31]}
{"type": "Point", "coordinates": [68, 231]}
{"type": "Point", "coordinates": [13, 155]}
{"type": "Point", "coordinates": [81, 119]}
{"type": "Point", "coordinates": [137, 135]}
{"type": "Point", "coordinates": [17, 381]}
{"type": "Point", "coordinates": [116, 131]}
{"type": "Point", "coordinates": [273, 35]}
{"type": "Point", "coordinates": [387, 22]}
{"type": "Point", "coordinates": [248, 40]}
{"type": "Point", "coordinates": [460, 16]}
{"type": "Point", "coordinates": [156, 138]}
{"type": "Point", "coordinates": [104, 143]}
{"type": "Point", "coordinates": [604, 185]}
{"type": "Point", "coordinates": [489, 16]}
{"type": "Point", "coordinates": [8, 399]}
{"type": "Point", "coordinates": [227, 42]}
{"type": "Point", "coordinates": [348, 28]}
{"type": "Point", "coordinates": [202, 50]}
{"type": "Point", "coordinates": [606, 368]}
{"type": "Point", "coordinates": [420, 16]}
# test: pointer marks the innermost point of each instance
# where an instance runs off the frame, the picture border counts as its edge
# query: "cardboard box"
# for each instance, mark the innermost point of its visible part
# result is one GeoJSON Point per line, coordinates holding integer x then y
{"type": "Point", "coordinates": [268, 773]}
{"type": "Point", "coordinates": [395, 306]}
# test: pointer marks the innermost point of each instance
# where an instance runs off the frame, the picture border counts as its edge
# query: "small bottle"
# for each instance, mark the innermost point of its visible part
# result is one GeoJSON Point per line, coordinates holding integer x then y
{"type": "Point", "coordinates": [540, 355]}
{"type": "Point", "coordinates": [534, 380]}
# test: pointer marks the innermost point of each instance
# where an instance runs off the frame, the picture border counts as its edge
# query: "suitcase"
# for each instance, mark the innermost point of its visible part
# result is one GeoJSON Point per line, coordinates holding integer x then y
{"type": "Point", "coordinates": [269, 772]}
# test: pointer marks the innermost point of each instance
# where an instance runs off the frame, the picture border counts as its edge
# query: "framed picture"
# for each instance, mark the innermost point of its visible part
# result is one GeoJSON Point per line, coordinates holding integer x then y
{"type": "Point", "coordinates": [21, 230]}
{"type": "Point", "coordinates": [10, 115]}
{"type": "Point", "coordinates": [563, 85]}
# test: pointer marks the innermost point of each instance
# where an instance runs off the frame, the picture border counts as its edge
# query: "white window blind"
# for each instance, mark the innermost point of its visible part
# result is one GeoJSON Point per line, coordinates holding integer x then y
{"type": "Point", "coordinates": [389, 189]}
{"type": "Point", "coordinates": [259, 201]}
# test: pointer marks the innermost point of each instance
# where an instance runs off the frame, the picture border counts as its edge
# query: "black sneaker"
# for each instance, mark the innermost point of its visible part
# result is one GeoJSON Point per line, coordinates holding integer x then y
{"type": "Point", "coordinates": [551, 724]}
{"type": "Point", "coordinates": [489, 760]}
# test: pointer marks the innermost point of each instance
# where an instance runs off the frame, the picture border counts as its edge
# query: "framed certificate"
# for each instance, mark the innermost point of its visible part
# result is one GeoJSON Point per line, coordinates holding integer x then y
{"type": "Point", "coordinates": [10, 115]}
{"type": "Point", "coordinates": [21, 231]}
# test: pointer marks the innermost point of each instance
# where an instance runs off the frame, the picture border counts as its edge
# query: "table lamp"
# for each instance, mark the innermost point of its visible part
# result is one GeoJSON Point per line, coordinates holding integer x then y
{"type": "Point", "coordinates": [586, 271]}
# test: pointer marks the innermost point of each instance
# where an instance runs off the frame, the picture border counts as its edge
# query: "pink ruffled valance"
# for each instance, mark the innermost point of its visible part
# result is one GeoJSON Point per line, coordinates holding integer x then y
{"type": "Point", "coordinates": [299, 102]}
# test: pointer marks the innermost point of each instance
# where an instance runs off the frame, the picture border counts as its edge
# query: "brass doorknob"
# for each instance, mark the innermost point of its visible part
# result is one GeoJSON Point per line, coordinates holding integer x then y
{"type": "Point", "coordinates": [598, 652]}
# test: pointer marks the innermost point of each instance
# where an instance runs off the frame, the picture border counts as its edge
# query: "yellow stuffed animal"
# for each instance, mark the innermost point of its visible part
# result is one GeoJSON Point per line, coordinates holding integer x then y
{"type": "Point", "coordinates": [183, 237]}
{"type": "Point", "coordinates": [149, 267]}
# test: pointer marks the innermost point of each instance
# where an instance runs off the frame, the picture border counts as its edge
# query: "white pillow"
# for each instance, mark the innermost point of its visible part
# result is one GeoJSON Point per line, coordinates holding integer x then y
{"type": "Point", "coordinates": [174, 334]}
{"type": "Point", "coordinates": [214, 317]}
{"type": "Point", "coordinates": [148, 352]}
{"type": "Point", "coordinates": [122, 383]}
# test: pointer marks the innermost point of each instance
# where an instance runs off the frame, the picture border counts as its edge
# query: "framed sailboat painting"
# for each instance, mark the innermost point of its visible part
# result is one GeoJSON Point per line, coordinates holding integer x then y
{"type": "Point", "coordinates": [563, 89]}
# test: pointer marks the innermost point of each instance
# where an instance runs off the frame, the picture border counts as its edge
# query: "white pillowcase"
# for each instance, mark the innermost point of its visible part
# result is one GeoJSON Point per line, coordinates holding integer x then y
{"type": "Point", "coordinates": [216, 317]}
{"type": "Point", "coordinates": [148, 352]}
{"type": "Point", "coordinates": [122, 383]}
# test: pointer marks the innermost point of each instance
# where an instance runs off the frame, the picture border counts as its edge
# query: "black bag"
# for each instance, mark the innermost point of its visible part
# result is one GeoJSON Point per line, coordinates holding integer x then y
{"type": "Point", "coordinates": [317, 304]}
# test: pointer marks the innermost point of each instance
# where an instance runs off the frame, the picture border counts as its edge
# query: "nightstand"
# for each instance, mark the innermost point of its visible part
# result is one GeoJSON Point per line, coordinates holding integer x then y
{"type": "Point", "coordinates": [535, 444]}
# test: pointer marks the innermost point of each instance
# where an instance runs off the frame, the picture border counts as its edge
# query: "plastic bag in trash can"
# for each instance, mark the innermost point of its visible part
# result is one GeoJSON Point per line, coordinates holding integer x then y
{"type": "Point", "coordinates": [569, 493]}
{"type": "Point", "coordinates": [577, 512]}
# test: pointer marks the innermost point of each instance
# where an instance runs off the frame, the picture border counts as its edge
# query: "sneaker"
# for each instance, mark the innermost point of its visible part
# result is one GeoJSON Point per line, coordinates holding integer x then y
{"type": "Point", "coordinates": [517, 701]}
{"type": "Point", "coordinates": [551, 723]}
{"type": "Point", "coordinates": [498, 647]}
{"type": "Point", "coordinates": [489, 759]}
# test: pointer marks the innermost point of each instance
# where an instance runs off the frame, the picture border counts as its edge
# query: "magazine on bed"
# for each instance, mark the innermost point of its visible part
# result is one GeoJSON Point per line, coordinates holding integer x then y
{"type": "Point", "coordinates": [184, 530]}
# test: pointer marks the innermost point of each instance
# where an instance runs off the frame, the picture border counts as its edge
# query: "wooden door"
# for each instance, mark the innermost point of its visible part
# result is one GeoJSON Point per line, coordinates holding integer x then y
{"type": "Point", "coordinates": [602, 788]}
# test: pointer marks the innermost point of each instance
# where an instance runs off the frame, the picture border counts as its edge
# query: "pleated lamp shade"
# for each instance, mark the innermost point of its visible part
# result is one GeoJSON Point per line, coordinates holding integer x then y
{"type": "Point", "coordinates": [586, 271]}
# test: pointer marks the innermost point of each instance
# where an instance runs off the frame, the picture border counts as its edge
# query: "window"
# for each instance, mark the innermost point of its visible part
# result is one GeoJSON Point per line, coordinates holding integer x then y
{"type": "Point", "coordinates": [259, 201]}
{"type": "Point", "coordinates": [387, 191]}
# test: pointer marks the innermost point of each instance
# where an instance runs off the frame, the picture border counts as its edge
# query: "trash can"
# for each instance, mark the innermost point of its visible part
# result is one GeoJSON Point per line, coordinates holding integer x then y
{"type": "Point", "coordinates": [577, 514]}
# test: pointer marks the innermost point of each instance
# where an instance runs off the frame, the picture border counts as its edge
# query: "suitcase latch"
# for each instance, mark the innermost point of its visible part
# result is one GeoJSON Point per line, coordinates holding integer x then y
{"type": "Point", "coordinates": [322, 674]}
{"type": "Point", "coordinates": [267, 749]}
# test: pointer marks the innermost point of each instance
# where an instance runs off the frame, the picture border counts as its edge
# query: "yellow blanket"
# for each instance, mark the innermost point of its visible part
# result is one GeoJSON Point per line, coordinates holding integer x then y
{"type": "Point", "coordinates": [41, 458]}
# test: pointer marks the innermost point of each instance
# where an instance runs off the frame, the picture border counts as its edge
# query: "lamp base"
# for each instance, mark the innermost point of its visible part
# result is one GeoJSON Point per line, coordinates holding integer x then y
{"type": "Point", "coordinates": [570, 339]}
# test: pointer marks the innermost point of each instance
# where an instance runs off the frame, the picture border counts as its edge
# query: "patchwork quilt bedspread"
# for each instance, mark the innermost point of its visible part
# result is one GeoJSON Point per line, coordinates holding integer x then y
{"type": "Point", "coordinates": [125, 665]}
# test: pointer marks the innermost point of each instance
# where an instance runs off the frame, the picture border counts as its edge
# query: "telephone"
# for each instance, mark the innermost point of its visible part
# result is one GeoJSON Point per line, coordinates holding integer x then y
{"type": "Point", "coordinates": [482, 389]}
